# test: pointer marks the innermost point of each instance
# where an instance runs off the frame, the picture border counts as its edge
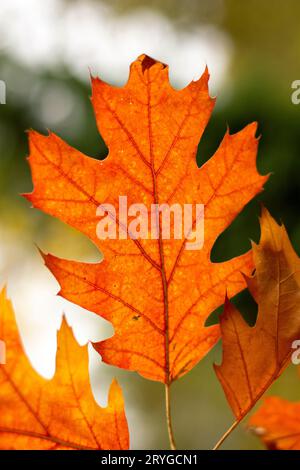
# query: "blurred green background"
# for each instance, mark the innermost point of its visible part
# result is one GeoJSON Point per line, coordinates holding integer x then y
{"type": "Point", "coordinates": [252, 49]}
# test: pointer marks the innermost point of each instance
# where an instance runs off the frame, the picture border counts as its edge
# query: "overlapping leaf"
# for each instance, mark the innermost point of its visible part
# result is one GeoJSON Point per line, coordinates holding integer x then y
{"type": "Point", "coordinates": [253, 357]}
{"type": "Point", "coordinates": [156, 293]}
{"type": "Point", "coordinates": [36, 413]}
{"type": "Point", "coordinates": [277, 423]}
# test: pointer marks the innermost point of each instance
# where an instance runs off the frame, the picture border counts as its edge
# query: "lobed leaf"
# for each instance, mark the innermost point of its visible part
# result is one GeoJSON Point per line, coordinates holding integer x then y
{"type": "Point", "coordinates": [254, 357]}
{"type": "Point", "coordinates": [155, 292]}
{"type": "Point", "coordinates": [55, 414]}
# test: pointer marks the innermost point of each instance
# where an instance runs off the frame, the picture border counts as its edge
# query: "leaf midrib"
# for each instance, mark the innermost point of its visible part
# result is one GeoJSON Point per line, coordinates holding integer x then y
{"type": "Point", "coordinates": [160, 242]}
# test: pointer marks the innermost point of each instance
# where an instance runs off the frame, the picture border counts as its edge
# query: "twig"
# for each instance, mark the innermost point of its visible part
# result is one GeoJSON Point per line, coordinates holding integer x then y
{"type": "Point", "coordinates": [226, 434]}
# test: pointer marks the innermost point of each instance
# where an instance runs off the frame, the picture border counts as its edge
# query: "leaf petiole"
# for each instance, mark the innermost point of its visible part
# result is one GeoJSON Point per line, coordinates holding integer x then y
{"type": "Point", "coordinates": [168, 417]}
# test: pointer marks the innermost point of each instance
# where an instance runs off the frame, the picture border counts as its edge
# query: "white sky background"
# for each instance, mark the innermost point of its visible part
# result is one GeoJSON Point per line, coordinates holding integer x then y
{"type": "Point", "coordinates": [84, 35]}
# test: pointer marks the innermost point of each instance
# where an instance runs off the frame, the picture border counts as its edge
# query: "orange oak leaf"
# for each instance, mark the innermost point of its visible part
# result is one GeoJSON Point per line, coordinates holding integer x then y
{"type": "Point", "coordinates": [156, 293]}
{"type": "Point", "coordinates": [277, 423]}
{"type": "Point", "coordinates": [36, 413]}
{"type": "Point", "coordinates": [253, 357]}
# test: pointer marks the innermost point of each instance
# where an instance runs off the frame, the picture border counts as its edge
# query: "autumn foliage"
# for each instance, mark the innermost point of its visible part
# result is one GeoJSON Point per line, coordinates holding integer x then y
{"type": "Point", "coordinates": [277, 423]}
{"type": "Point", "coordinates": [253, 357]}
{"type": "Point", "coordinates": [156, 293]}
{"type": "Point", "coordinates": [141, 286]}
{"type": "Point", "coordinates": [58, 414]}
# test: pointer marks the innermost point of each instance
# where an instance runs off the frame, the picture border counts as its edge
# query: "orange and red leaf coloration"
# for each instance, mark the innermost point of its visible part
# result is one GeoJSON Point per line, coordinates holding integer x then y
{"type": "Point", "coordinates": [156, 293]}
{"type": "Point", "coordinates": [253, 357]}
{"type": "Point", "coordinates": [277, 424]}
{"type": "Point", "coordinates": [36, 413]}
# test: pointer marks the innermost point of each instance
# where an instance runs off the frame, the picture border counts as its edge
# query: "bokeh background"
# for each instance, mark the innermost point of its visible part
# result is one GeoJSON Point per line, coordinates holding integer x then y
{"type": "Point", "coordinates": [46, 50]}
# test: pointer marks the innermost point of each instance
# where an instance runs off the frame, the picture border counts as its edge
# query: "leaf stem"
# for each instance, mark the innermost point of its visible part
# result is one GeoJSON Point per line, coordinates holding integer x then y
{"type": "Point", "coordinates": [168, 417]}
{"type": "Point", "coordinates": [226, 434]}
